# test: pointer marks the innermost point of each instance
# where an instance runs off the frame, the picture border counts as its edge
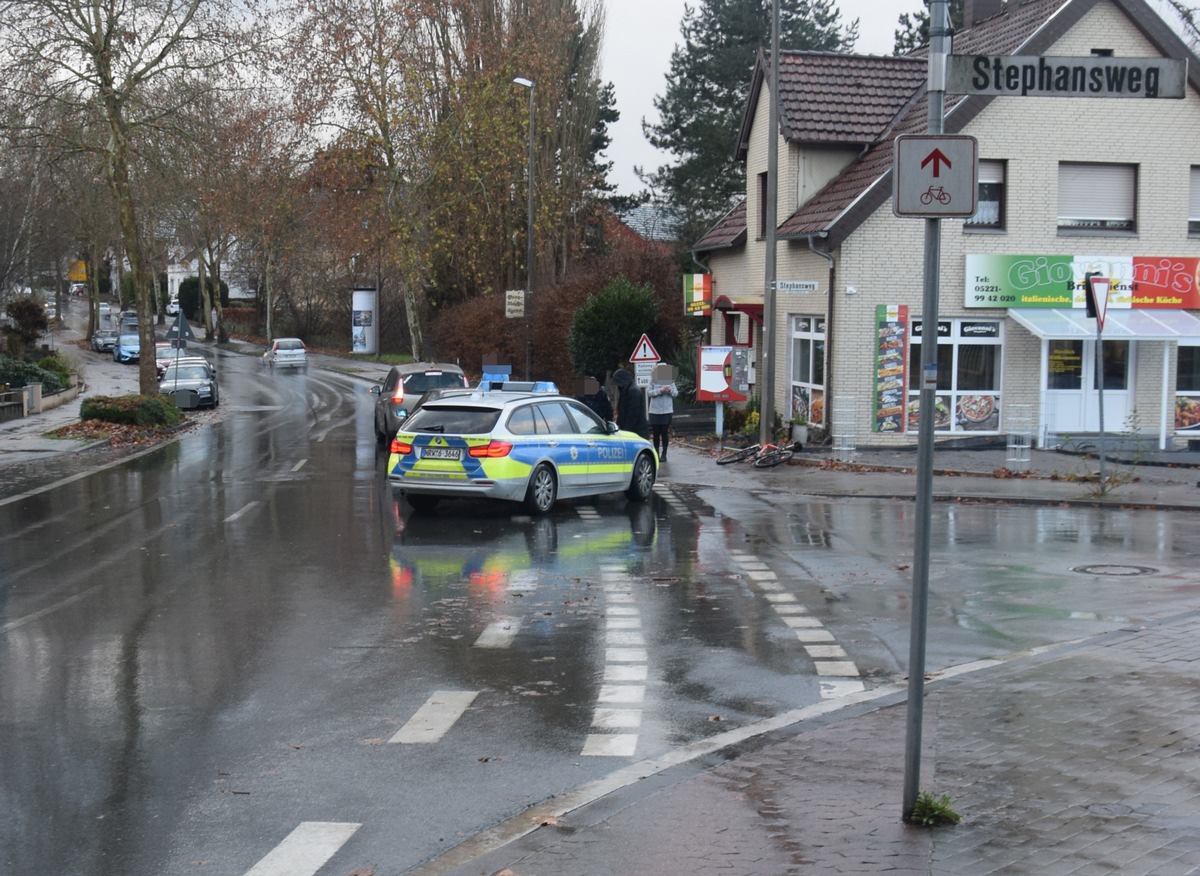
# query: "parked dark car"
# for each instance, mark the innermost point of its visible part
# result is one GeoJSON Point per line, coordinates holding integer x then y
{"type": "Point", "coordinates": [402, 387]}
{"type": "Point", "coordinates": [193, 383]}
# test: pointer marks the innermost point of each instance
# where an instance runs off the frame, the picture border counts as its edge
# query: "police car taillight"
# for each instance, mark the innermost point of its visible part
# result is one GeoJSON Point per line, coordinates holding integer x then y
{"type": "Point", "coordinates": [401, 447]}
{"type": "Point", "coordinates": [491, 450]}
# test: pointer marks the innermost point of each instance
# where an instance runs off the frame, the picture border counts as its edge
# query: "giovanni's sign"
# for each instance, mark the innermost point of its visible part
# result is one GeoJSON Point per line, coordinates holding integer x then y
{"type": "Point", "coordinates": [1035, 76]}
{"type": "Point", "coordinates": [1058, 281]}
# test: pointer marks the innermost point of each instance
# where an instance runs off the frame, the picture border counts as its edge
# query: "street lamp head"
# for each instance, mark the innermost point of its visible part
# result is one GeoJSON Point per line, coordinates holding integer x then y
{"type": "Point", "coordinates": [521, 80]}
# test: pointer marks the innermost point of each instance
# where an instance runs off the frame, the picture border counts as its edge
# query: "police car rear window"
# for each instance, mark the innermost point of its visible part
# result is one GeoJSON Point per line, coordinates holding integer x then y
{"type": "Point", "coordinates": [453, 420]}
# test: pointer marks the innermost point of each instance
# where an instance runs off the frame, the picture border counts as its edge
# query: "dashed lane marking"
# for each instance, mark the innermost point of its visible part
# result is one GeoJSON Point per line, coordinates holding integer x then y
{"type": "Point", "coordinates": [305, 850]}
{"type": "Point", "coordinates": [245, 509]}
{"type": "Point", "coordinates": [435, 717]}
{"type": "Point", "coordinates": [299, 465]}
{"type": "Point", "coordinates": [838, 676]}
{"type": "Point", "coordinates": [619, 700]}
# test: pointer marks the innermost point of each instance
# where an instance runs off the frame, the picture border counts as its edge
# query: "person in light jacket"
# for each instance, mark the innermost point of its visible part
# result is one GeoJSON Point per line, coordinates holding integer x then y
{"type": "Point", "coordinates": [662, 409]}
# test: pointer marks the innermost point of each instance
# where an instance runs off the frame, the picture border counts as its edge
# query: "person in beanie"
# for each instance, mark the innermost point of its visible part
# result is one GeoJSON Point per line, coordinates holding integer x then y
{"type": "Point", "coordinates": [662, 408]}
{"type": "Point", "coordinates": [631, 407]}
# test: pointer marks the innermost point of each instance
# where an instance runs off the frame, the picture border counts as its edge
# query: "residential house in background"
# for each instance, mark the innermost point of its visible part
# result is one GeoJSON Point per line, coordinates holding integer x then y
{"type": "Point", "coordinates": [1066, 185]}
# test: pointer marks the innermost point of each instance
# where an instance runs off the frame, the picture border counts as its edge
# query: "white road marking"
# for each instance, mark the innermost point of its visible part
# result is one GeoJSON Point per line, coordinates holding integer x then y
{"type": "Point", "coordinates": [626, 655]}
{"type": "Point", "coordinates": [779, 597]}
{"type": "Point", "coordinates": [624, 623]}
{"type": "Point", "coordinates": [624, 638]}
{"type": "Point", "coordinates": [610, 745]}
{"type": "Point", "coordinates": [625, 610]}
{"type": "Point", "coordinates": [245, 509]}
{"type": "Point", "coordinates": [299, 465]}
{"type": "Point", "coordinates": [40, 613]}
{"type": "Point", "coordinates": [825, 652]}
{"type": "Point", "coordinates": [843, 668]}
{"type": "Point", "coordinates": [435, 717]}
{"type": "Point", "coordinates": [801, 620]}
{"type": "Point", "coordinates": [622, 693]}
{"type": "Point", "coordinates": [499, 633]}
{"type": "Point", "coordinates": [617, 719]}
{"type": "Point", "coordinates": [305, 850]}
{"type": "Point", "coordinates": [632, 672]}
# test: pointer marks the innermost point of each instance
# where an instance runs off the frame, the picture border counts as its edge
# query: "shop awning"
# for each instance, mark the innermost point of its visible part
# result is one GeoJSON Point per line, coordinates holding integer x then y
{"type": "Point", "coordinates": [1119, 325]}
{"type": "Point", "coordinates": [752, 307]}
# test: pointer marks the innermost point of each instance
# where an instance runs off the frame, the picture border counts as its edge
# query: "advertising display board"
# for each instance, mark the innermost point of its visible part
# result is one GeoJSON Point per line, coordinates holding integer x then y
{"type": "Point", "coordinates": [723, 374]}
{"type": "Point", "coordinates": [363, 331]}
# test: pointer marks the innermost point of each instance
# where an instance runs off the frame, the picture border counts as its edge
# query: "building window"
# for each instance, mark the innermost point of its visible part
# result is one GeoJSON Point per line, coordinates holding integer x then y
{"type": "Point", "coordinates": [762, 206]}
{"type": "Point", "coordinates": [1097, 197]}
{"type": "Point", "coordinates": [968, 382]}
{"type": "Point", "coordinates": [1194, 204]}
{"type": "Point", "coordinates": [990, 214]}
{"type": "Point", "coordinates": [808, 368]}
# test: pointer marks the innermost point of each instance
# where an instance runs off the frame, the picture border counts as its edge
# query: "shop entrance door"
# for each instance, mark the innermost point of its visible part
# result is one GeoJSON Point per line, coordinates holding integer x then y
{"type": "Point", "coordinates": [1072, 400]}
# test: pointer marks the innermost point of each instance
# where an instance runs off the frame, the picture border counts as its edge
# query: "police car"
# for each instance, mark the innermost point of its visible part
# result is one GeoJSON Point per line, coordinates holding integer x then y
{"type": "Point", "coordinates": [522, 446]}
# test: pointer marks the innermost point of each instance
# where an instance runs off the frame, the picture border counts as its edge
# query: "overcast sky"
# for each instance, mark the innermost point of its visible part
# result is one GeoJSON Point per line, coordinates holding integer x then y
{"type": "Point", "coordinates": [639, 38]}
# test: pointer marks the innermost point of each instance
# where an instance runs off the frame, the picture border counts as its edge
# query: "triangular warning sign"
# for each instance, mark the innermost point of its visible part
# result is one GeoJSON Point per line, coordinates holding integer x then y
{"type": "Point", "coordinates": [644, 351]}
{"type": "Point", "coordinates": [180, 329]}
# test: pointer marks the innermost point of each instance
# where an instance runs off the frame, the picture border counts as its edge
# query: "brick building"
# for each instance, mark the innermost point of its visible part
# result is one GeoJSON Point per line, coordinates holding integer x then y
{"type": "Point", "coordinates": [1066, 185]}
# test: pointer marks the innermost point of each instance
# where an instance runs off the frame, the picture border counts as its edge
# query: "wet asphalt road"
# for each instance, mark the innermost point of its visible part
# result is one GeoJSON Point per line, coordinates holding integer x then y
{"type": "Point", "coordinates": [213, 644]}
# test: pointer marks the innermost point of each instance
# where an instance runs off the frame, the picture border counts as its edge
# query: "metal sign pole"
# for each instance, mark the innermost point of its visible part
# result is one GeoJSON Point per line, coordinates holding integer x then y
{"type": "Point", "coordinates": [938, 46]}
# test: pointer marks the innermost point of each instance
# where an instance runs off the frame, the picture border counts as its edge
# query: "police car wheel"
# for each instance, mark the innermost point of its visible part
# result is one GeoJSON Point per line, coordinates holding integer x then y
{"type": "Point", "coordinates": [641, 485]}
{"type": "Point", "coordinates": [542, 491]}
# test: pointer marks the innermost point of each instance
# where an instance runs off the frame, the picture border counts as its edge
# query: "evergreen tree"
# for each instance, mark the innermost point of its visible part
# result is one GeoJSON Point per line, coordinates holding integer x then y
{"type": "Point", "coordinates": [914, 29]}
{"type": "Point", "coordinates": [706, 94]}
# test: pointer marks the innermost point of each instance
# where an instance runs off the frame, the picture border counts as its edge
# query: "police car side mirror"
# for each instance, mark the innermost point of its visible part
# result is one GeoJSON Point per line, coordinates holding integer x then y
{"type": "Point", "coordinates": [613, 428]}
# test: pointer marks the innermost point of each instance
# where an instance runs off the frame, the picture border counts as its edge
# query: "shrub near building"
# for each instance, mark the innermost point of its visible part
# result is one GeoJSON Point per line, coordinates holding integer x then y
{"type": "Point", "coordinates": [132, 410]}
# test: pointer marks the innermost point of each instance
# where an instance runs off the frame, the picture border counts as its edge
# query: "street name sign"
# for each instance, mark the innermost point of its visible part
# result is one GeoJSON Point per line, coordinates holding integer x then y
{"type": "Point", "coordinates": [1092, 76]}
{"type": "Point", "coordinates": [514, 303]}
{"type": "Point", "coordinates": [935, 176]}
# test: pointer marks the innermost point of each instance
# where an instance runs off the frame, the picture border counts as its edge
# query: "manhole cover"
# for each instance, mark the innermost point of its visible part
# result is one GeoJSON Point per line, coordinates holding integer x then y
{"type": "Point", "coordinates": [1114, 570]}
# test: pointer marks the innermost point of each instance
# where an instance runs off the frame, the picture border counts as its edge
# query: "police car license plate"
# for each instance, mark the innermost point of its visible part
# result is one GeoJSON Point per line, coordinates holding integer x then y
{"type": "Point", "coordinates": [440, 453]}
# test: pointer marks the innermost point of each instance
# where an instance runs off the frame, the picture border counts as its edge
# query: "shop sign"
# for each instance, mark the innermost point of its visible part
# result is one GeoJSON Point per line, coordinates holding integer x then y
{"type": "Point", "coordinates": [1059, 281]}
{"type": "Point", "coordinates": [697, 294]}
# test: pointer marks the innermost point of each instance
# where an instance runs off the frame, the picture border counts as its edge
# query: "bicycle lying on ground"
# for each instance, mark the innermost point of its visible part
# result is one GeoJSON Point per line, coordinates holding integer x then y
{"type": "Point", "coordinates": [764, 455]}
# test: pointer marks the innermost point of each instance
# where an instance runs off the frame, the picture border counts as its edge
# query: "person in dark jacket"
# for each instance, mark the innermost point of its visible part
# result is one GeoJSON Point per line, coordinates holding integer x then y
{"type": "Point", "coordinates": [592, 394]}
{"type": "Point", "coordinates": [631, 405]}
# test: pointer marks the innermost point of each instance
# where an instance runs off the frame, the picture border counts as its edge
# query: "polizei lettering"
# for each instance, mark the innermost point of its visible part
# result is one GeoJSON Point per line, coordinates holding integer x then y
{"type": "Point", "coordinates": [1066, 77]}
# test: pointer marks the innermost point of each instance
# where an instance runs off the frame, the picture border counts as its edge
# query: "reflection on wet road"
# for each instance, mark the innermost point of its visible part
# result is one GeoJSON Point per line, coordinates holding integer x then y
{"type": "Point", "coordinates": [245, 641]}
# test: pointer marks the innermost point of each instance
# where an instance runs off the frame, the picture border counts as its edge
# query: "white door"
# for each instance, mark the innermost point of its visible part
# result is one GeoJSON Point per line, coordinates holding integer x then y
{"type": "Point", "coordinates": [1072, 386]}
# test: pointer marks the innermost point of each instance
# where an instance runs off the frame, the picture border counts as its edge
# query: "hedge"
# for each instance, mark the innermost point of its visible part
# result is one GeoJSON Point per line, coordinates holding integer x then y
{"type": "Point", "coordinates": [16, 373]}
{"type": "Point", "coordinates": [133, 410]}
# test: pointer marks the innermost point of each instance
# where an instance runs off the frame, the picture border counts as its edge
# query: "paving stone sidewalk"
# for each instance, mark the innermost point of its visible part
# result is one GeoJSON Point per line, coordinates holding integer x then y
{"type": "Point", "coordinates": [1079, 759]}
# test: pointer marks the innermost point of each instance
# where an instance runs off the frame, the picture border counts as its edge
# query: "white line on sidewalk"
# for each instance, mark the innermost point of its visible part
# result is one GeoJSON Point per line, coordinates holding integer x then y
{"type": "Point", "coordinates": [435, 717]}
{"type": "Point", "coordinates": [299, 465]}
{"type": "Point", "coordinates": [244, 510]}
{"type": "Point", "coordinates": [305, 850]}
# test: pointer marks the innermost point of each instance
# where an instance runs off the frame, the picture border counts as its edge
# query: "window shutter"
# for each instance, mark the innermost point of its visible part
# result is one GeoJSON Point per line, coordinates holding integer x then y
{"type": "Point", "coordinates": [1104, 192]}
{"type": "Point", "coordinates": [991, 171]}
{"type": "Point", "coordinates": [1194, 198]}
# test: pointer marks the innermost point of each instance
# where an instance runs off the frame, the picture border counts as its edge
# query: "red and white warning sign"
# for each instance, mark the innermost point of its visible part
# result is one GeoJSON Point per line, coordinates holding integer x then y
{"type": "Point", "coordinates": [644, 351]}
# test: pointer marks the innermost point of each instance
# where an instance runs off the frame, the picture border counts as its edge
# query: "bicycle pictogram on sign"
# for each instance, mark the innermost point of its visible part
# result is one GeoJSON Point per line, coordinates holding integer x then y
{"type": "Point", "coordinates": [935, 193]}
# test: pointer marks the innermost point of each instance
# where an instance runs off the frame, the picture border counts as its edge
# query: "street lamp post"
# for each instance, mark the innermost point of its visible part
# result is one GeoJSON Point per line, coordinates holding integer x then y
{"type": "Point", "coordinates": [528, 83]}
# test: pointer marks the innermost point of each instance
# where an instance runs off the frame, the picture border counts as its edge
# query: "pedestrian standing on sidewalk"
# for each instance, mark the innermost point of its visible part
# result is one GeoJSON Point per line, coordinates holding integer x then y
{"type": "Point", "coordinates": [663, 392]}
{"type": "Point", "coordinates": [631, 407]}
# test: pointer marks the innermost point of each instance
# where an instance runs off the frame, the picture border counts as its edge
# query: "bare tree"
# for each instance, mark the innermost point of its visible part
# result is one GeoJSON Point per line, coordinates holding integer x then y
{"type": "Point", "coordinates": [118, 58]}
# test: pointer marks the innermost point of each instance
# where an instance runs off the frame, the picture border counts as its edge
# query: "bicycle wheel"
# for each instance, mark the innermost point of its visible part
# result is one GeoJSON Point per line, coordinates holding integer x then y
{"type": "Point", "coordinates": [738, 455]}
{"type": "Point", "coordinates": [772, 458]}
